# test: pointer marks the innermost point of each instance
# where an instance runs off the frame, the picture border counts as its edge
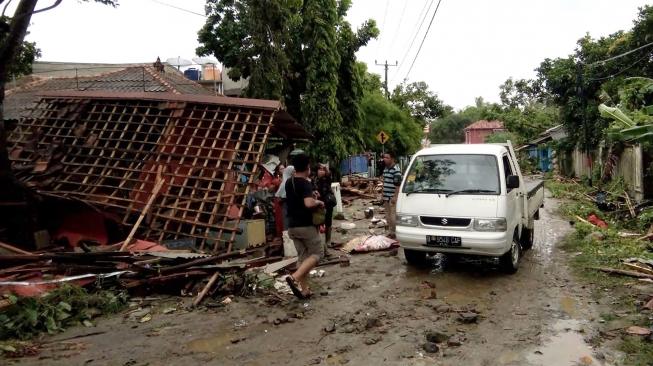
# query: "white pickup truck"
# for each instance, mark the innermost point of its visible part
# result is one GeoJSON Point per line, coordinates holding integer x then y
{"type": "Point", "coordinates": [468, 199]}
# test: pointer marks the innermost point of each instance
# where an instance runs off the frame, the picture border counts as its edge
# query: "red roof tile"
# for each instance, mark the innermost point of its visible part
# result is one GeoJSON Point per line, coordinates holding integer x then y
{"type": "Point", "coordinates": [128, 80]}
{"type": "Point", "coordinates": [485, 125]}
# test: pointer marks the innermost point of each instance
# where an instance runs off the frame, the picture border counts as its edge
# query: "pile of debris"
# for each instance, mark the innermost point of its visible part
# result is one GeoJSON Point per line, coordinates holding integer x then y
{"type": "Point", "coordinates": [638, 267]}
{"type": "Point", "coordinates": [144, 268]}
{"type": "Point", "coordinates": [355, 187]}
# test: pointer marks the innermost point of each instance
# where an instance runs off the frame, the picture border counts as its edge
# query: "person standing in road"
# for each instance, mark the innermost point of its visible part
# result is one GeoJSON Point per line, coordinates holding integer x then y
{"type": "Point", "coordinates": [305, 235]}
{"type": "Point", "coordinates": [391, 183]}
{"type": "Point", "coordinates": [323, 188]}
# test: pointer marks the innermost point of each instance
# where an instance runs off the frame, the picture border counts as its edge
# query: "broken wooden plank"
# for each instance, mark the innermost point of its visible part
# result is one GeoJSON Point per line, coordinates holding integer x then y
{"type": "Point", "coordinates": [153, 196]}
{"type": "Point", "coordinates": [206, 289]}
{"type": "Point", "coordinates": [630, 205]}
{"type": "Point", "coordinates": [274, 267]}
{"type": "Point", "coordinates": [13, 249]}
{"type": "Point", "coordinates": [623, 272]}
{"type": "Point", "coordinates": [343, 261]}
{"type": "Point", "coordinates": [358, 192]}
{"type": "Point", "coordinates": [208, 260]}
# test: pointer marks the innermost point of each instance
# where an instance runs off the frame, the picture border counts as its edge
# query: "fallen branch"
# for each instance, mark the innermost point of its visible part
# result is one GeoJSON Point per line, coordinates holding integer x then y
{"type": "Point", "coordinates": [622, 272]}
{"type": "Point", "coordinates": [647, 236]}
{"type": "Point", "coordinates": [583, 220]}
{"type": "Point", "coordinates": [638, 268]}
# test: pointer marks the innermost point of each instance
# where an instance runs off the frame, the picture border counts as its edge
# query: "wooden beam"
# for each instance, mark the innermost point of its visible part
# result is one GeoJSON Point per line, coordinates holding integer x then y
{"type": "Point", "coordinates": [155, 193]}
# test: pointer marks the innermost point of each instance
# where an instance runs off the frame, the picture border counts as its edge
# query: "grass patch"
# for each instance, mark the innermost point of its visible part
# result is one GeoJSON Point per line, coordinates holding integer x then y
{"type": "Point", "coordinates": [639, 352]}
{"type": "Point", "coordinates": [60, 308]}
{"type": "Point", "coordinates": [565, 189]}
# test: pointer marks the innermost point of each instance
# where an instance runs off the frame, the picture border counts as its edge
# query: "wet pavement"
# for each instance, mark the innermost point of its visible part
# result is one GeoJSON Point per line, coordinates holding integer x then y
{"type": "Point", "coordinates": [377, 311]}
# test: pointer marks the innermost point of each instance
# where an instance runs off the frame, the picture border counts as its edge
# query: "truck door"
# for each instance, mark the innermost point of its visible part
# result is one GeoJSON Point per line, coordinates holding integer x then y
{"type": "Point", "coordinates": [513, 202]}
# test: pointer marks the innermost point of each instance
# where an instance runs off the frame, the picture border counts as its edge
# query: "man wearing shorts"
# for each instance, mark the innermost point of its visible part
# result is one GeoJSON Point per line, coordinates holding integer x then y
{"type": "Point", "coordinates": [305, 235]}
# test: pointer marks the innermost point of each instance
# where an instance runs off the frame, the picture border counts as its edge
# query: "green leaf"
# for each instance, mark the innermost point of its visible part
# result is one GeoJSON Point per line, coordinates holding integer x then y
{"type": "Point", "coordinates": [62, 315]}
{"type": "Point", "coordinates": [12, 298]}
{"type": "Point", "coordinates": [616, 114]}
{"type": "Point", "coordinates": [7, 348]}
{"type": "Point", "coordinates": [31, 315]}
{"type": "Point", "coordinates": [65, 306]}
{"type": "Point", "coordinates": [51, 325]}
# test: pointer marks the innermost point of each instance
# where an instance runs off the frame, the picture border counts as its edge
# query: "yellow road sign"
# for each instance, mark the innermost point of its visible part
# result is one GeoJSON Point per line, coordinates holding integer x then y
{"type": "Point", "coordinates": [383, 137]}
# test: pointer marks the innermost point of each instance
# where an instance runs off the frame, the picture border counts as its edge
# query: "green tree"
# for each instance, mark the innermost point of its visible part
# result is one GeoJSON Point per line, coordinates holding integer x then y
{"type": "Point", "coordinates": [423, 104]}
{"type": "Point", "coordinates": [451, 129]}
{"type": "Point", "coordinates": [351, 78]}
{"type": "Point", "coordinates": [521, 93]}
{"type": "Point", "coordinates": [251, 38]}
{"type": "Point", "coordinates": [632, 120]}
{"type": "Point", "coordinates": [26, 53]}
{"type": "Point", "coordinates": [319, 105]}
{"type": "Point", "coordinates": [501, 137]}
{"type": "Point", "coordinates": [380, 114]}
{"type": "Point", "coordinates": [300, 52]}
{"type": "Point", "coordinates": [578, 82]}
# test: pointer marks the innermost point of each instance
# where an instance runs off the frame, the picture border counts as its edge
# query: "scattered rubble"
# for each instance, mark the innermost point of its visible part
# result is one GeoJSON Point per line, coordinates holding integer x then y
{"type": "Point", "coordinates": [640, 331]}
{"type": "Point", "coordinates": [437, 336]}
{"type": "Point", "coordinates": [468, 317]}
{"type": "Point", "coordinates": [430, 347]}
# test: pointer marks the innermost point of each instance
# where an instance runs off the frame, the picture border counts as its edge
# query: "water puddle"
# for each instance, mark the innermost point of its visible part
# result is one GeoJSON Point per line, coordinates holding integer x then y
{"type": "Point", "coordinates": [211, 344]}
{"type": "Point", "coordinates": [508, 358]}
{"type": "Point", "coordinates": [568, 305]}
{"type": "Point", "coordinates": [566, 347]}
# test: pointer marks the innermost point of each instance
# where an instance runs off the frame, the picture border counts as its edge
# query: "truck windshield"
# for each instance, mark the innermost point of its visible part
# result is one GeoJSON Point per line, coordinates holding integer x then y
{"type": "Point", "coordinates": [471, 174]}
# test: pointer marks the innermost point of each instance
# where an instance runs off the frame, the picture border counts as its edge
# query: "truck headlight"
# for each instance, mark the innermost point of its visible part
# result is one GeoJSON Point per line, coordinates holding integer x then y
{"type": "Point", "coordinates": [490, 224]}
{"type": "Point", "coordinates": [406, 220]}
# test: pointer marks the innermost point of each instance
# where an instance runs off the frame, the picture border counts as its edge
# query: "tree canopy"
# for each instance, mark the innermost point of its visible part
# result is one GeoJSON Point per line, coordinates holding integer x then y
{"type": "Point", "coordinates": [422, 104]}
{"type": "Point", "coordinates": [300, 52]}
{"type": "Point", "coordinates": [596, 70]}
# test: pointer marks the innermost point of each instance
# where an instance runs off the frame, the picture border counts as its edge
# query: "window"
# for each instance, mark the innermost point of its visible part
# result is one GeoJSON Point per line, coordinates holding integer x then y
{"type": "Point", "coordinates": [453, 173]}
{"type": "Point", "coordinates": [507, 169]}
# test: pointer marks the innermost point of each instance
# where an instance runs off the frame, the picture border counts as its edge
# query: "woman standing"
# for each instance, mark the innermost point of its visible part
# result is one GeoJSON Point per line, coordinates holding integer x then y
{"type": "Point", "coordinates": [323, 188]}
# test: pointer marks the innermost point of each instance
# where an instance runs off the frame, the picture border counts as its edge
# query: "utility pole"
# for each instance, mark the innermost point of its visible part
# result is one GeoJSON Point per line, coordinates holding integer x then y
{"type": "Point", "coordinates": [385, 83]}
{"type": "Point", "coordinates": [580, 93]}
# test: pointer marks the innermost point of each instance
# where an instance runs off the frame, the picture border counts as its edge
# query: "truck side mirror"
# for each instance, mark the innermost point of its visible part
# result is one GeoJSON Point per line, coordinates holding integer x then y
{"type": "Point", "coordinates": [512, 181]}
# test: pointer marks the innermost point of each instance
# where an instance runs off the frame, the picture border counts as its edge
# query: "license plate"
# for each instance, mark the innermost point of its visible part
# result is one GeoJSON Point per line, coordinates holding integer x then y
{"type": "Point", "coordinates": [443, 241]}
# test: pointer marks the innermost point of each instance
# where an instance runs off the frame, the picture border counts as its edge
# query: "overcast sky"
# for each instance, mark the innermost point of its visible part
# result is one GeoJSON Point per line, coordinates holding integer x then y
{"type": "Point", "coordinates": [471, 48]}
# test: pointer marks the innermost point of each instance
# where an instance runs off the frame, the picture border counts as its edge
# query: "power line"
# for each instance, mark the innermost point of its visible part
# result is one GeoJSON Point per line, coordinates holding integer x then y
{"type": "Point", "coordinates": [418, 27]}
{"type": "Point", "coordinates": [179, 8]}
{"type": "Point", "coordinates": [401, 17]}
{"type": "Point", "coordinates": [423, 39]}
{"type": "Point", "coordinates": [621, 71]}
{"type": "Point", "coordinates": [621, 55]}
{"type": "Point", "coordinates": [385, 14]}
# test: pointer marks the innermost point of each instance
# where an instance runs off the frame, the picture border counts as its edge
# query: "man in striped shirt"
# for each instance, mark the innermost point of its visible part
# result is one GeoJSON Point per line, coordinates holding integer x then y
{"type": "Point", "coordinates": [391, 182]}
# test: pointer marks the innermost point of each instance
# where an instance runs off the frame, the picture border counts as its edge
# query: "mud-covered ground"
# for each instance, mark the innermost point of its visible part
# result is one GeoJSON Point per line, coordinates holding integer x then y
{"type": "Point", "coordinates": [377, 311]}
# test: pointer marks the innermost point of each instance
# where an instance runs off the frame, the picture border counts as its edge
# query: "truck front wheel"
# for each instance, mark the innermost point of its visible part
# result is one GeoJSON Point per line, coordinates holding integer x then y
{"type": "Point", "coordinates": [509, 262]}
{"type": "Point", "coordinates": [415, 257]}
{"type": "Point", "coordinates": [527, 238]}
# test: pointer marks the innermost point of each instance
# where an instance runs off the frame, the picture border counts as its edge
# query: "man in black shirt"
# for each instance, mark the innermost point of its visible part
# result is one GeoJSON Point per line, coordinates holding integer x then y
{"type": "Point", "coordinates": [305, 235]}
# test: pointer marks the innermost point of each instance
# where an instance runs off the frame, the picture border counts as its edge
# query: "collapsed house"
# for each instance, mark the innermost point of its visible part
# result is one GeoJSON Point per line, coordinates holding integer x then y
{"type": "Point", "coordinates": [195, 158]}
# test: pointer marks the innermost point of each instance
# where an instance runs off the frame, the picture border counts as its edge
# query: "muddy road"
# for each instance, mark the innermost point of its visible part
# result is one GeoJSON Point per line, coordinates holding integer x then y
{"type": "Point", "coordinates": [377, 311]}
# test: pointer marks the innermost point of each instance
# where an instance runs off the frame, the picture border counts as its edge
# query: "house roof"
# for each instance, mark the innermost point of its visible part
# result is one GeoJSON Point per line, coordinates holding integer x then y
{"type": "Point", "coordinates": [129, 79]}
{"type": "Point", "coordinates": [110, 149]}
{"type": "Point", "coordinates": [485, 125]}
